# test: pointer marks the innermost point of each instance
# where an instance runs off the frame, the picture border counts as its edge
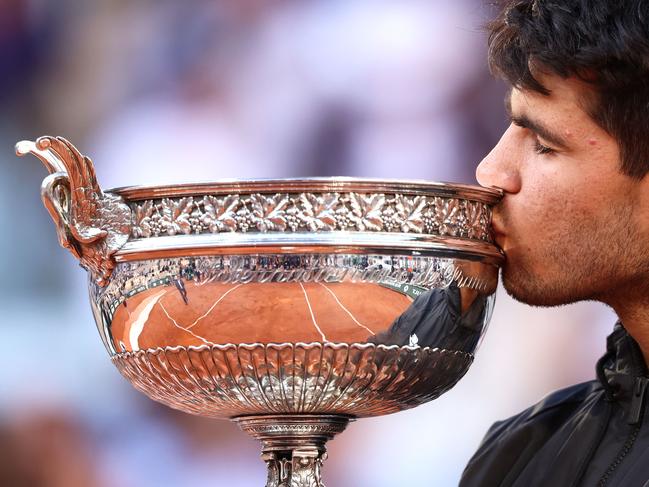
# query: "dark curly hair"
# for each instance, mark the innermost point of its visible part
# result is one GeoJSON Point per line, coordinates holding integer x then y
{"type": "Point", "coordinates": [602, 42]}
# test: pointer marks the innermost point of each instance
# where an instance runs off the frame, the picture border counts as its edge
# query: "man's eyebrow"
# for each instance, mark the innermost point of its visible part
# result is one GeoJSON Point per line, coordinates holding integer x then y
{"type": "Point", "coordinates": [538, 128]}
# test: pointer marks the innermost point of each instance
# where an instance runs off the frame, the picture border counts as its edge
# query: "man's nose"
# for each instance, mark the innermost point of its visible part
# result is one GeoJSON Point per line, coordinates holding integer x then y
{"type": "Point", "coordinates": [499, 168]}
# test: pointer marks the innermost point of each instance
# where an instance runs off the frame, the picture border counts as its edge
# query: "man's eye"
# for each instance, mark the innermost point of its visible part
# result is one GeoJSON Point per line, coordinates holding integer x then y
{"type": "Point", "coordinates": [542, 149]}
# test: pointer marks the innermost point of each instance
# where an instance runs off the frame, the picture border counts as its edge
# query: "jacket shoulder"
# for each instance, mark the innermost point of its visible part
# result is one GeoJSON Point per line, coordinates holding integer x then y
{"type": "Point", "coordinates": [509, 444]}
{"type": "Point", "coordinates": [554, 403]}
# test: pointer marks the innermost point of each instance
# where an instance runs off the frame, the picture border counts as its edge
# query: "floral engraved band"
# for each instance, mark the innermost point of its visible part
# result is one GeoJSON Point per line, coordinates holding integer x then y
{"type": "Point", "coordinates": [312, 212]}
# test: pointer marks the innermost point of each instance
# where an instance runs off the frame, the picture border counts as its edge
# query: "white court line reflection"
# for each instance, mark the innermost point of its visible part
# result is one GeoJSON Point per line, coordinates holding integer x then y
{"type": "Point", "coordinates": [213, 306]}
{"type": "Point", "coordinates": [142, 316]}
{"type": "Point", "coordinates": [183, 328]}
{"type": "Point", "coordinates": [346, 310]}
{"type": "Point", "coordinates": [324, 338]}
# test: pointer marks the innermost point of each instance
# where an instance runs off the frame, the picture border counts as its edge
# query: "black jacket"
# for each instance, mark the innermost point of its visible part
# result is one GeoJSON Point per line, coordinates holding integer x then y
{"type": "Point", "coordinates": [591, 434]}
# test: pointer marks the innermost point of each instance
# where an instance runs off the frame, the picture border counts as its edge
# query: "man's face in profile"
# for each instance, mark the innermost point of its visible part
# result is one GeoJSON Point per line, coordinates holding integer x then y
{"type": "Point", "coordinates": [571, 224]}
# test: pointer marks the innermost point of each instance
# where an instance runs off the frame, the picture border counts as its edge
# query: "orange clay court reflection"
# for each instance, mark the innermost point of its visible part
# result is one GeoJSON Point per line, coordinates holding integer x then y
{"type": "Point", "coordinates": [195, 312]}
{"type": "Point", "coordinates": [219, 313]}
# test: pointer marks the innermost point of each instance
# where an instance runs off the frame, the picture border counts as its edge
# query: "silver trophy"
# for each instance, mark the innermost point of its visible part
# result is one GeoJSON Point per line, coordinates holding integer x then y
{"type": "Point", "coordinates": [291, 307]}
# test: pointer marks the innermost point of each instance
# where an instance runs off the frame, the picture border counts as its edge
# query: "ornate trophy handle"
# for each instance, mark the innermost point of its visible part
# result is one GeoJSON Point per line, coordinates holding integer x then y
{"type": "Point", "coordinates": [91, 224]}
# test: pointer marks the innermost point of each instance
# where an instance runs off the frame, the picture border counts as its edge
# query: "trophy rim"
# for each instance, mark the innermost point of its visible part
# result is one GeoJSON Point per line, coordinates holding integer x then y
{"type": "Point", "coordinates": [309, 243]}
{"type": "Point", "coordinates": [331, 241]}
{"type": "Point", "coordinates": [489, 195]}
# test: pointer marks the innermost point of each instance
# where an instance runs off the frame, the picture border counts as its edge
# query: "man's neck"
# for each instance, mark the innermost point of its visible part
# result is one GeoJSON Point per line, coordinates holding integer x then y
{"type": "Point", "coordinates": [635, 318]}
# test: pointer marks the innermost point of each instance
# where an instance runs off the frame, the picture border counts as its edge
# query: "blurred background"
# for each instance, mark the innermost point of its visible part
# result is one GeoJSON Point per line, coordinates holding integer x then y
{"type": "Point", "coordinates": [169, 91]}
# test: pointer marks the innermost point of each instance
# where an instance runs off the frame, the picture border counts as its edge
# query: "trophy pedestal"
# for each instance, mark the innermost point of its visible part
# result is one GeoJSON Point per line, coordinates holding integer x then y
{"type": "Point", "coordinates": [293, 446]}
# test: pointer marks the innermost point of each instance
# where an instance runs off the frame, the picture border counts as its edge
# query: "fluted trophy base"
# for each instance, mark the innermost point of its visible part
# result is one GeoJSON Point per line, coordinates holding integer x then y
{"type": "Point", "coordinates": [293, 446]}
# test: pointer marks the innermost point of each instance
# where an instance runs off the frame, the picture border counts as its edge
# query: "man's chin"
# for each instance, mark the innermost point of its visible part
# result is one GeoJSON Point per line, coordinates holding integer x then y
{"type": "Point", "coordinates": [530, 290]}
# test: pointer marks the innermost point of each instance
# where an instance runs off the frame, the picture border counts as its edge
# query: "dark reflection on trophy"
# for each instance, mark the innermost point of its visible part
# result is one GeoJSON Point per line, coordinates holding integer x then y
{"type": "Point", "coordinates": [451, 318]}
{"type": "Point", "coordinates": [291, 307]}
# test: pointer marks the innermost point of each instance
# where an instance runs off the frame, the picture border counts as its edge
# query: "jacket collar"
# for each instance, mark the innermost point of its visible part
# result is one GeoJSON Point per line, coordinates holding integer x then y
{"type": "Point", "coordinates": [623, 373]}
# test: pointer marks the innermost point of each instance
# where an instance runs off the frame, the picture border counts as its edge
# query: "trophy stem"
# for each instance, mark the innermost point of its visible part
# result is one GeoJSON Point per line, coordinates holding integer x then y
{"type": "Point", "coordinates": [293, 446]}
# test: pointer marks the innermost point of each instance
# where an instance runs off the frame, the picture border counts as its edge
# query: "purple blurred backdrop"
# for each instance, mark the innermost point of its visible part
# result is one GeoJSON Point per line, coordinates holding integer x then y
{"type": "Point", "coordinates": [169, 91]}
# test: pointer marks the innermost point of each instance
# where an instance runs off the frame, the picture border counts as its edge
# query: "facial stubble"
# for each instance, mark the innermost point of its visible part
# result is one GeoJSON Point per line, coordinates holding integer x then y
{"type": "Point", "coordinates": [581, 259]}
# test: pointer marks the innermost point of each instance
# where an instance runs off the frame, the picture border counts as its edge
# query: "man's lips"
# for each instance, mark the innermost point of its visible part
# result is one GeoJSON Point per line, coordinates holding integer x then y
{"type": "Point", "coordinates": [497, 229]}
{"type": "Point", "coordinates": [498, 233]}
{"type": "Point", "coordinates": [499, 239]}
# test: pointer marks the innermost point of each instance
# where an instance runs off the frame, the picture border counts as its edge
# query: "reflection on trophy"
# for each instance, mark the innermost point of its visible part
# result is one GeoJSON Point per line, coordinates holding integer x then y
{"type": "Point", "coordinates": [291, 307]}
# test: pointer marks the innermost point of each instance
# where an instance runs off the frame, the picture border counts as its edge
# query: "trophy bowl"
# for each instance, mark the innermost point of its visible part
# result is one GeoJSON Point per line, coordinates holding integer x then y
{"type": "Point", "coordinates": [291, 307]}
